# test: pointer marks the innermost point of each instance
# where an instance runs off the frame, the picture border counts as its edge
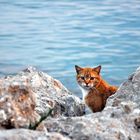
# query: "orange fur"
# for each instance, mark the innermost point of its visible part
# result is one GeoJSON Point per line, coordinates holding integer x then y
{"type": "Point", "coordinates": [97, 89]}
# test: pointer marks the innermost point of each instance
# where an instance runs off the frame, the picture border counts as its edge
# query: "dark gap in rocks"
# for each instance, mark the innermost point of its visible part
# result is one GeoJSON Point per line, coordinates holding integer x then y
{"type": "Point", "coordinates": [8, 125]}
{"type": "Point", "coordinates": [137, 123]}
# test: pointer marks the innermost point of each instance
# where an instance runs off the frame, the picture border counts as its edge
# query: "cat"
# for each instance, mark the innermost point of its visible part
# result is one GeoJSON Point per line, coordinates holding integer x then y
{"type": "Point", "coordinates": [95, 90]}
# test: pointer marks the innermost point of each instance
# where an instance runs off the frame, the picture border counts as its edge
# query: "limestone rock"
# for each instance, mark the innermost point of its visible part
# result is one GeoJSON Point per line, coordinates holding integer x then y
{"type": "Point", "coordinates": [29, 95]}
{"type": "Point", "coordinates": [51, 93]}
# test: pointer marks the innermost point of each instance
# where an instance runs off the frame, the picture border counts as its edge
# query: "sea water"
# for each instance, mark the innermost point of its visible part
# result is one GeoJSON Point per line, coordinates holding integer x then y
{"type": "Point", "coordinates": [55, 35]}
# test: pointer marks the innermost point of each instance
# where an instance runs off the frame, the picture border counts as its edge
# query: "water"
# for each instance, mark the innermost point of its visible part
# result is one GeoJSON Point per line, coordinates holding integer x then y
{"type": "Point", "coordinates": [55, 35]}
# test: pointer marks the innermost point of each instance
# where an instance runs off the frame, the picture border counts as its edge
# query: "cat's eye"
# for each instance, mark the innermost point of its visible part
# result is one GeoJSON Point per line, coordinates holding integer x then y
{"type": "Point", "coordinates": [92, 78]}
{"type": "Point", "coordinates": [82, 77]}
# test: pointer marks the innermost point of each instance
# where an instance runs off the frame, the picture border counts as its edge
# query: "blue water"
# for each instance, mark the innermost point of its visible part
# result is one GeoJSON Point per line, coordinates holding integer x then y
{"type": "Point", "coordinates": [54, 35]}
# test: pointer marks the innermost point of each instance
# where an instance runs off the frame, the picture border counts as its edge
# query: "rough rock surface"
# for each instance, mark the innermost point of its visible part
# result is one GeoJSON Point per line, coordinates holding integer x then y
{"type": "Point", "coordinates": [51, 93]}
{"type": "Point", "coordinates": [29, 95]}
{"type": "Point", "coordinates": [17, 104]}
{"type": "Point", "coordinates": [24, 134]}
{"type": "Point", "coordinates": [120, 120]}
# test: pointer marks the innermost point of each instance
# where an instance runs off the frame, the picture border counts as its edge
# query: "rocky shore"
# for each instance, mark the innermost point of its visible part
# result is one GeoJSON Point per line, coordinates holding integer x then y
{"type": "Point", "coordinates": [35, 106]}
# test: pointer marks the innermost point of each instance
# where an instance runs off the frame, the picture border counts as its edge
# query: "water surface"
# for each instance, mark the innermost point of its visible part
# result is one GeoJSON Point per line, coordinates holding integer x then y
{"type": "Point", "coordinates": [55, 35]}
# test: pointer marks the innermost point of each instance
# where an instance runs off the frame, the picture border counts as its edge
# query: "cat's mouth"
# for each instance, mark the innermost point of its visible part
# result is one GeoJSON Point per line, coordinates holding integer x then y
{"type": "Point", "coordinates": [87, 87]}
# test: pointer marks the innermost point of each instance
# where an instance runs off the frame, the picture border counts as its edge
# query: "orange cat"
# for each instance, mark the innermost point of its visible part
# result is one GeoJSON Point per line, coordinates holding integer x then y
{"type": "Point", "coordinates": [95, 90]}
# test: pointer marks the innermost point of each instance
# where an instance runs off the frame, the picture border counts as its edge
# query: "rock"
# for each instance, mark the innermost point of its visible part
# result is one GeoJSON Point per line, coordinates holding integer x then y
{"type": "Point", "coordinates": [24, 134]}
{"type": "Point", "coordinates": [51, 93]}
{"type": "Point", "coordinates": [28, 96]}
{"type": "Point", "coordinates": [120, 120]}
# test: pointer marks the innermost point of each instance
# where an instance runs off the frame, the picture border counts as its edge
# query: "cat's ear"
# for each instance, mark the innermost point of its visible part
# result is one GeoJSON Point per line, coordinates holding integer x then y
{"type": "Point", "coordinates": [97, 69]}
{"type": "Point", "coordinates": [78, 69]}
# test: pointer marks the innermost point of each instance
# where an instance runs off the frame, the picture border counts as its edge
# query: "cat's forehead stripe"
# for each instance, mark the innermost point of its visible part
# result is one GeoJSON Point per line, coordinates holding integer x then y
{"type": "Point", "coordinates": [87, 74]}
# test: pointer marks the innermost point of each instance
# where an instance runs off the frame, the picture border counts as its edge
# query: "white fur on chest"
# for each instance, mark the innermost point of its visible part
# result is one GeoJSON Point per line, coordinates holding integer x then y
{"type": "Point", "coordinates": [84, 92]}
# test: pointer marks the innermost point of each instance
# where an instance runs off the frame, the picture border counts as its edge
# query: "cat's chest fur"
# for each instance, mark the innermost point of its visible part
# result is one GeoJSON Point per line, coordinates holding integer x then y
{"type": "Point", "coordinates": [84, 93]}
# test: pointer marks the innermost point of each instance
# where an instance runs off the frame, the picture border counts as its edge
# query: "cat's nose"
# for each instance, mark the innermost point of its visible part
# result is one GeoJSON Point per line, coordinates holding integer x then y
{"type": "Point", "coordinates": [86, 84]}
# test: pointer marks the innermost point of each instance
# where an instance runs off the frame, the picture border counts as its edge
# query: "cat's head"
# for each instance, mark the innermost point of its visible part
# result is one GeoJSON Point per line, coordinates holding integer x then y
{"type": "Point", "coordinates": [88, 78]}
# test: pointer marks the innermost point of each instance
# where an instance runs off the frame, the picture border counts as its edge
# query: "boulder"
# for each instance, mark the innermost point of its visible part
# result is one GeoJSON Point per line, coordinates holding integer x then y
{"type": "Point", "coordinates": [27, 97]}
{"type": "Point", "coordinates": [51, 93]}
{"type": "Point", "coordinates": [120, 119]}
